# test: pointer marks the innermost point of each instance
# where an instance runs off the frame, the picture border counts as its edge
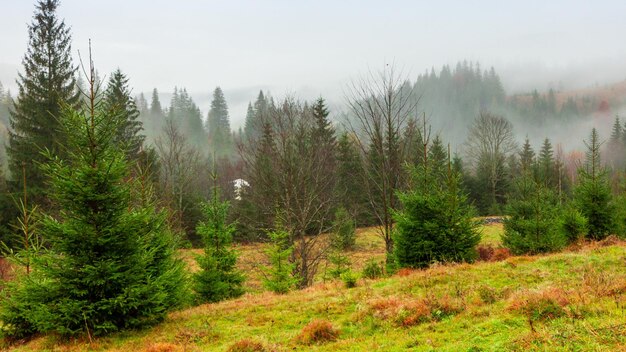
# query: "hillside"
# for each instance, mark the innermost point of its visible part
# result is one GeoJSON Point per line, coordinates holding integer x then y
{"type": "Point", "coordinates": [575, 300]}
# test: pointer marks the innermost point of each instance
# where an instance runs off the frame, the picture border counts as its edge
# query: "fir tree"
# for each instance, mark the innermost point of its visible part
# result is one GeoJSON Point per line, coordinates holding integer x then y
{"type": "Point", "coordinates": [110, 264]}
{"type": "Point", "coordinates": [592, 194]}
{"type": "Point", "coordinates": [119, 103]}
{"type": "Point", "coordinates": [46, 83]}
{"type": "Point", "coordinates": [218, 278]}
{"type": "Point", "coordinates": [218, 125]}
{"type": "Point", "coordinates": [279, 276]}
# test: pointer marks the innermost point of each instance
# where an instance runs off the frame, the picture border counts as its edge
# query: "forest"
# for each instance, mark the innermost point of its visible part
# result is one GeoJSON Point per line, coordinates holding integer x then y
{"type": "Point", "coordinates": [102, 189]}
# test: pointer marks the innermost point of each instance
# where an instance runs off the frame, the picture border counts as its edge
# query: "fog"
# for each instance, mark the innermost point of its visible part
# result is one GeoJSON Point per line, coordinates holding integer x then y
{"type": "Point", "coordinates": [314, 49]}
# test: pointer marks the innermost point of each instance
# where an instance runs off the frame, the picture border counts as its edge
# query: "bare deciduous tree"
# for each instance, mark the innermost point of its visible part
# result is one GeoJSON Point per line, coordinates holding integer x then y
{"type": "Point", "coordinates": [179, 170]}
{"type": "Point", "coordinates": [381, 109]}
{"type": "Point", "coordinates": [489, 143]}
{"type": "Point", "coordinates": [288, 180]}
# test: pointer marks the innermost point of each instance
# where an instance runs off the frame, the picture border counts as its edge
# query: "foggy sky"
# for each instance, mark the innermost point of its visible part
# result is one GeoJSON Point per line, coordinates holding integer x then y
{"type": "Point", "coordinates": [314, 48]}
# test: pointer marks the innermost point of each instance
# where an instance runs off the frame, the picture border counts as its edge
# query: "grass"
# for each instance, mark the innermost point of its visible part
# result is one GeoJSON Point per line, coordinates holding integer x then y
{"type": "Point", "coordinates": [574, 300]}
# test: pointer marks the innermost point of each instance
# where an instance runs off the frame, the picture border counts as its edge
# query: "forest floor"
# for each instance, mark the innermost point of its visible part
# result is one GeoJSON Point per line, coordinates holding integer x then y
{"type": "Point", "coordinates": [569, 301]}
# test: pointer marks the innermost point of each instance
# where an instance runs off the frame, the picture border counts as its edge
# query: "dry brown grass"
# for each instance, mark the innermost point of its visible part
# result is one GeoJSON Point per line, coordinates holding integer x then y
{"type": "Point", "coordinates": [247, 345]}
{"type": "Point", "coordinates": [318, 331]}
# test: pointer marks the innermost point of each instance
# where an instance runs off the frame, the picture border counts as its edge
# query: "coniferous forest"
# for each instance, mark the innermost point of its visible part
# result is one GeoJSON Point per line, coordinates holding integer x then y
{"type": "Point", "coordinates": [120, 209]}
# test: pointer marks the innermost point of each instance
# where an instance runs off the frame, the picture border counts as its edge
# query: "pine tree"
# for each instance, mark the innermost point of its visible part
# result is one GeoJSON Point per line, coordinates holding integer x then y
{"type": "Point", "coordinates": [119, 103]}
{"type": "Point", "coordinates": [592, 194]}
{"type": "Point", "coordinates": [218, 278]}
{"type": "Point", "coordinates": [110, 264]}
{"type": "Point", "coordinates": [616, 153]}
{"type": "Point", "coordinates": [279, 276]}
{"type": "Point", "coordinates": [46, 83]}
{"type": "Point", "coordinates": [218, 125]}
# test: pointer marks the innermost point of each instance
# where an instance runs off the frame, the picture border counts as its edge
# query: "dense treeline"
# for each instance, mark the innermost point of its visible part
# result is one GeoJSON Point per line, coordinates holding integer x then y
{"type": "Point", "coordinates": [104, 186]}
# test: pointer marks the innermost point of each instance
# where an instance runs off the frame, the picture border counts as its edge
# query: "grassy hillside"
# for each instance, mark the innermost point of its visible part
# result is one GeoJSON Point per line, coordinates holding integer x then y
{"type": "Point", "coordinates": [575, 300]}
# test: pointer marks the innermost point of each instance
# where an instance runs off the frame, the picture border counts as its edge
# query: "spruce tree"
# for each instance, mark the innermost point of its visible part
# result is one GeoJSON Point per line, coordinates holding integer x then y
{"type": "Point", "coordinates": [119, 103]}
{"type": "Point", "coordinates": [532, 225]}
{"type": "Point", "coordinates": [592, 194]}
{"type": "Point", "coordinates": [218, 278]}
{"type": "Point", "coordinates": [110, 264]}
{"type": "Point", "coordinates": [218, 125]}
{"type": "Point", "coordinates": [350, 188]}
{"type": "Point", "coordinates": [527, 157]}
{"type": "Point", "coordinates": [435, 223]}
{"type": "Point", "coordinates": [545, 165]}
{"type": "Point", "coordinates": [46, 83]}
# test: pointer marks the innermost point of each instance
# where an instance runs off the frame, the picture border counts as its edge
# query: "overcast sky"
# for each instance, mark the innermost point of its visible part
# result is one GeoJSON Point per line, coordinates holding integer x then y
{"type": "Point", "coordinates": [312, 48]}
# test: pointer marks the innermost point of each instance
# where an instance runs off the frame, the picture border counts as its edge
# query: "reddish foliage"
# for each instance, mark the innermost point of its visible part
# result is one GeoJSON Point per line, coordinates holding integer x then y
{"type": "Point", "coordinates": [490, 254]}
{"type": "Point", "coordinates": [318, 331]}
{"type": "Point", "coordinates": [405, 272]}
{"type": "Point", "coordinates": [161, 347]}
{"type": "Point", "coordinates": [247, 345]}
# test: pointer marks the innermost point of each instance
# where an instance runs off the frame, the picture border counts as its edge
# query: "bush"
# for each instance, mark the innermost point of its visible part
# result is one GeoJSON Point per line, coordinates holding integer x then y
{"type": "Point", "coordinates": [373, 269]}
{"type": "Point", "coordinates": [318, 331]}
{"type": "Point", "coordinates": [574, 224]}
{"type": "Point", "coordinates": [349, 279]}
{"type": "Point", "coordinates": [344, 235]}
{"type": "Point", "coordinates": [532, 225]}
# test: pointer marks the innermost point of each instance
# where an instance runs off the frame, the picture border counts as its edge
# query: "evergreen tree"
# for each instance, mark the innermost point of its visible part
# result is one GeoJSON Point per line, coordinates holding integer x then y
{"type": "Point", "coordinates": [532, 225]}
{"type": "Point", "coordinates": [218, 125]}
{"type": "Point", "coordinates": [218, 278]}
{"type": "Point", "coordinates": [350, 189]}
{"type": "Point", "coordinates": [119, 103]}
{"type": "Point", "coordinates": [592, 194]}
{"type": "Point", "coordinates": [187, 115]}
{"type": "Point", "coordinates": [527, 157]}
{"type": "Point", "coordinates": [279, 276]}
{"type": "Point", "coordinates": [438, 159]}
{"type": "Point", "coordinates": [248, 131]}
{"type": "Point", "coordinates": [545, 165]}
{"type": "Point", "coordinates": [110, 264]}
{"type": "Point", "coordinates": [46, 83]}
{"type": "Point", "coordinates": [436, 221]}
{"type": "Point", "coordinates": [616, 153]}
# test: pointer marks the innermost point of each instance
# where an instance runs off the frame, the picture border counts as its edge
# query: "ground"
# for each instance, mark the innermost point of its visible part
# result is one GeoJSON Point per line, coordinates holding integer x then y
{"type": "Point", "coordinates": [574, 300]}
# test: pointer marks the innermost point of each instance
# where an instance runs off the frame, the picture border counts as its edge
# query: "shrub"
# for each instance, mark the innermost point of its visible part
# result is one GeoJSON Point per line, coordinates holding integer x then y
{"type": "Point", "coordinates": [373, 269]}
{"type": "Point", "coordinates": [318, 331]}
{"type": "Point", "coordinates": [540, 306]}
{"type": "Point", "coordinates": [344, 235]}
{"type": "Point", "coordinates": [349, 279]}
{"type": "Point", "coordinates": [246, 345]}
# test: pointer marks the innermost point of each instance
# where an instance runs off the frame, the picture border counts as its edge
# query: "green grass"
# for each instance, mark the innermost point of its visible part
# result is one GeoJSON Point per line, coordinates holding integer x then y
{"type": "Point", "coordinates": [570, 301]}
